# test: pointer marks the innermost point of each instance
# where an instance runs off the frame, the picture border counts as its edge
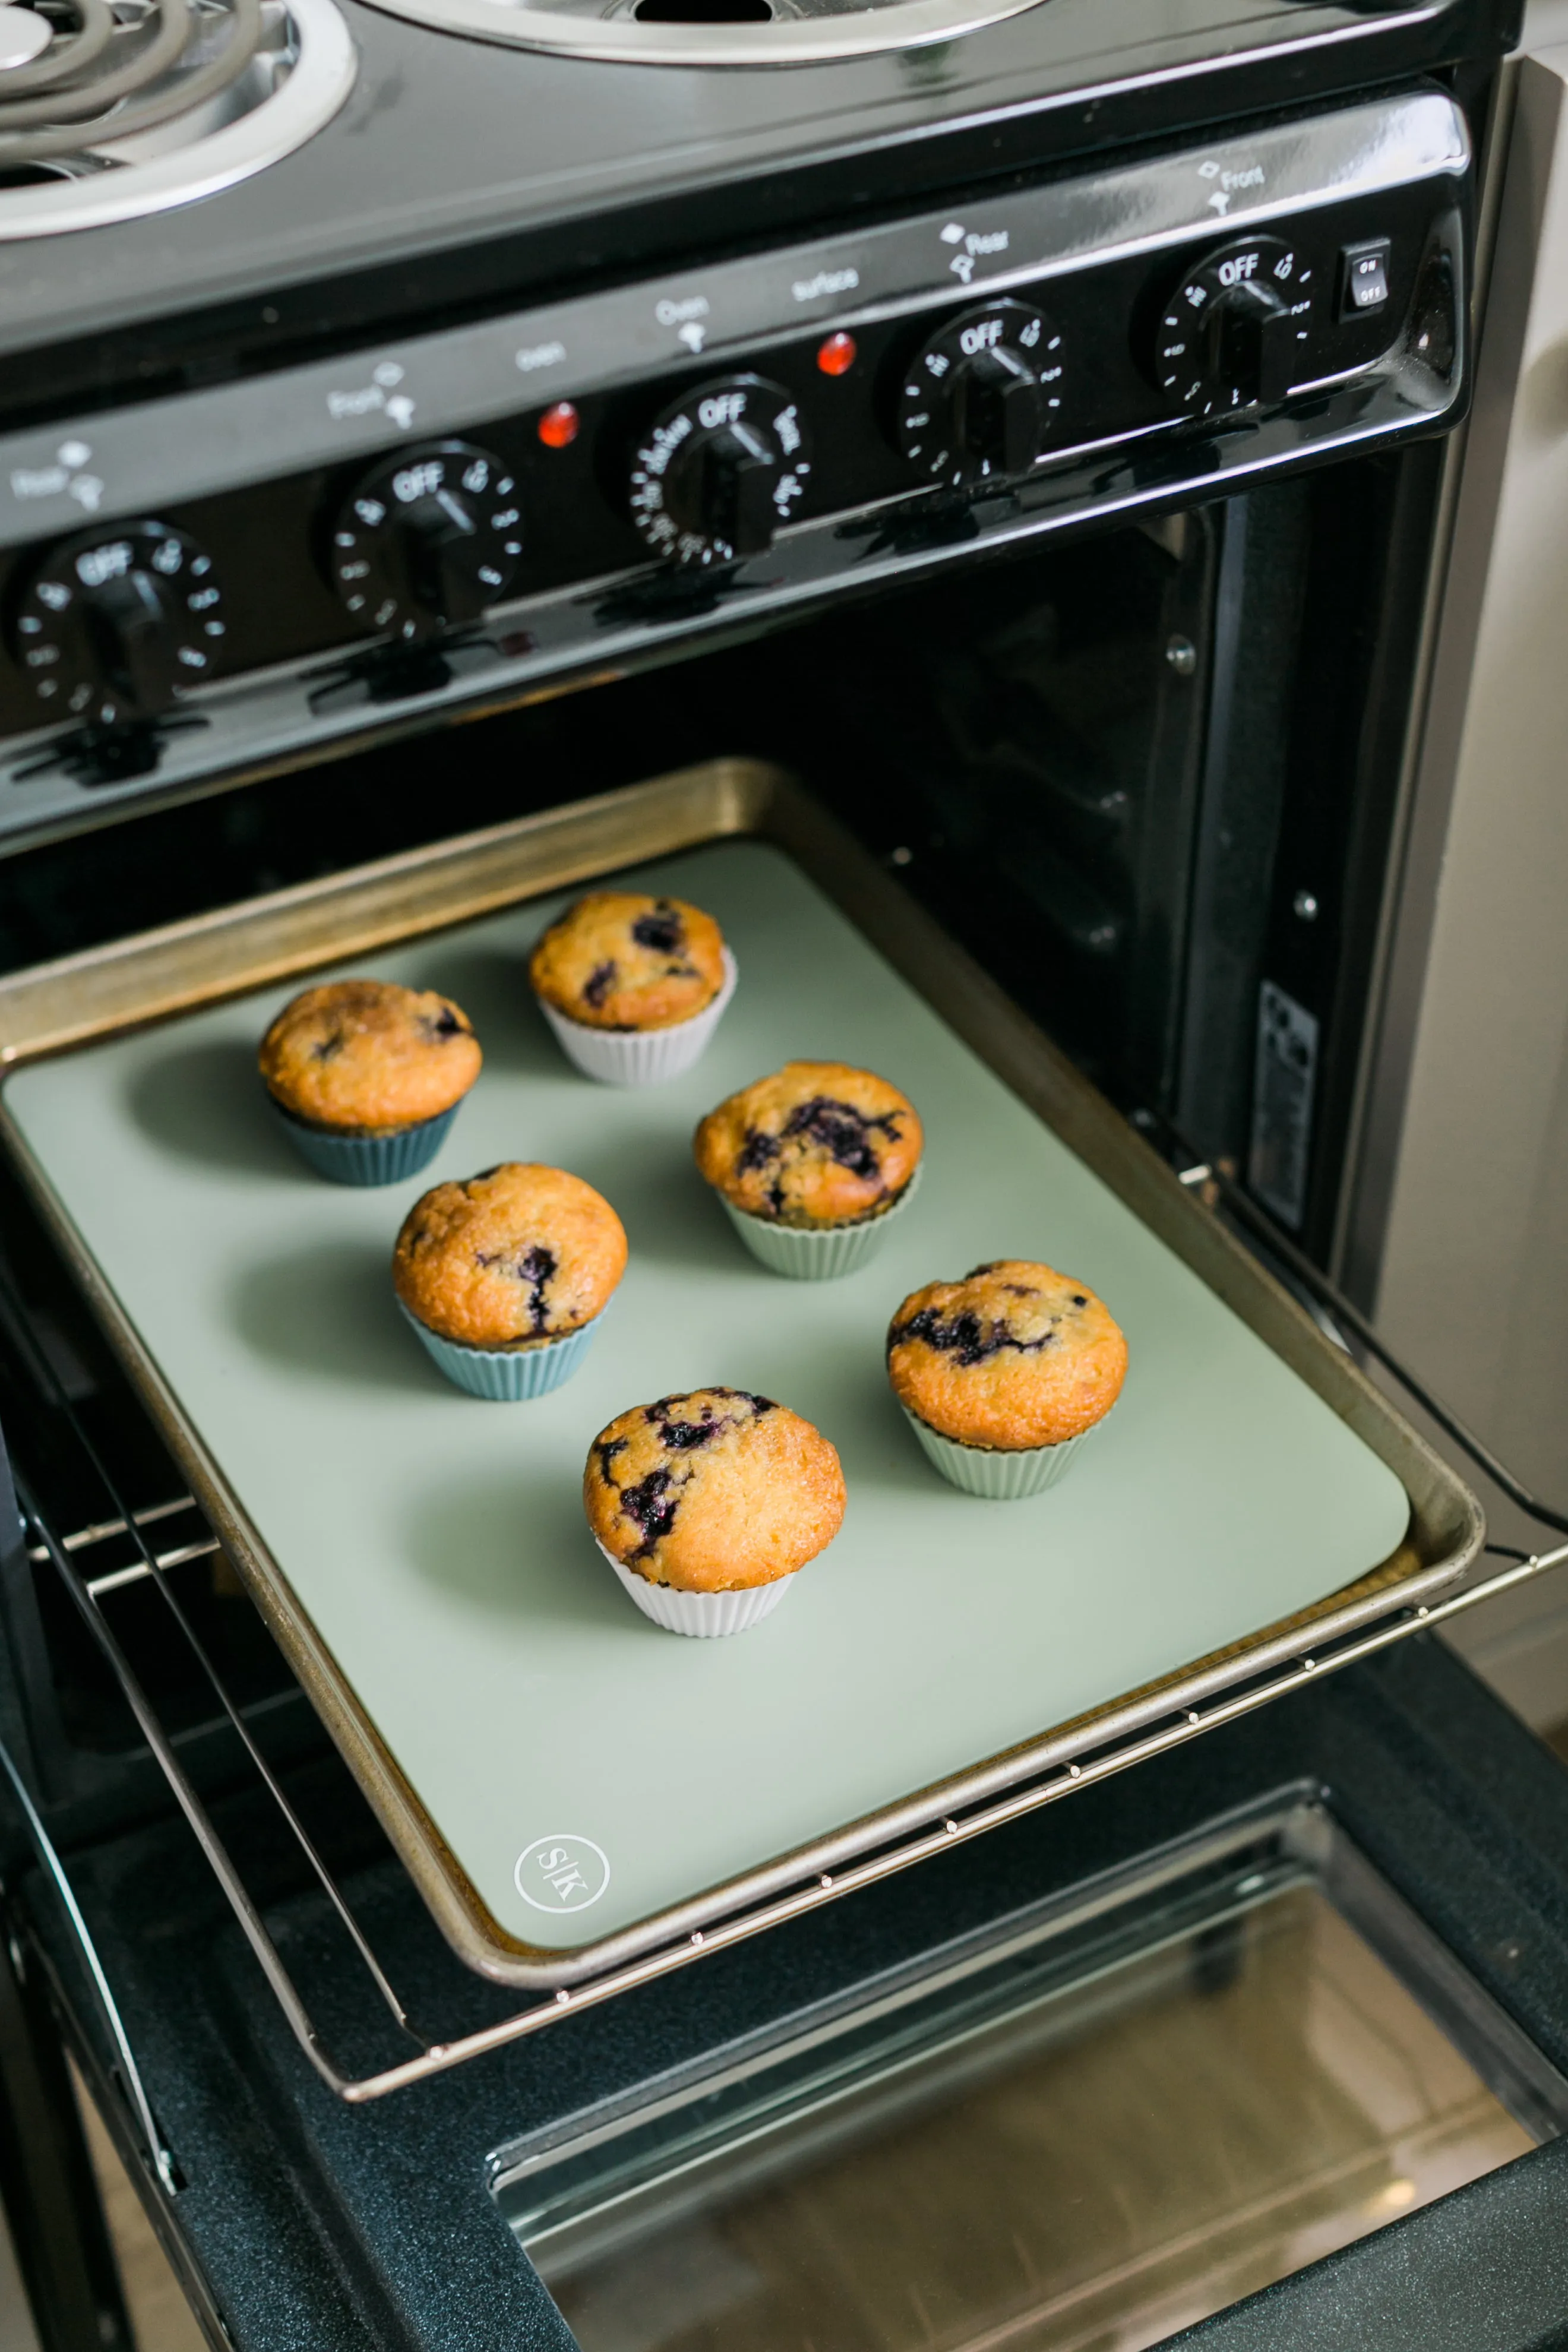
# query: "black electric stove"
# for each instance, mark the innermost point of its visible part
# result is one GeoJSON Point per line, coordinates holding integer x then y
{"type": "Point", "coordinates": [1028, 425]}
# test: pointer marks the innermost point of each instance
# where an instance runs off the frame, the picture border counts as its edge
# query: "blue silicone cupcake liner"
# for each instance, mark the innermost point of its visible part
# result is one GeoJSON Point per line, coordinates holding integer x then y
{"type": "Point", "coordinates": [508, 1375]}
{"type": "Point", "coordinates": [1001, 1476]}
{"type": "Point", "coordinates": [368, 1158]}
{"type": "Point", "coordinates": [821, 1253]}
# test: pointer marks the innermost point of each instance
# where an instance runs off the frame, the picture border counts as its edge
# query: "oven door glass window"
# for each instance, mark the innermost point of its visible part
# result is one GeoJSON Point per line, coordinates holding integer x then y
{"type": "Point", "coordinates": [1115, 2124]}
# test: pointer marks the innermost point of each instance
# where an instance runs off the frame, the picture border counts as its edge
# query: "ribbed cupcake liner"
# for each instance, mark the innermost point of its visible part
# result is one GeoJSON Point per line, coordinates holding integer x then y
{"type": "Point", "coordinates": [368, 1158]}
{"type": "Point", "coordinates": [1000, 1476]}
{"type": "Point", "coordinates": [508, 1375]}
{"type": "Point", "coordinates": [641, 1057]}
{"type": "Point", "coordinates": [802, 1254]}
{"type": "Point", "coordinates": [705, 1615]}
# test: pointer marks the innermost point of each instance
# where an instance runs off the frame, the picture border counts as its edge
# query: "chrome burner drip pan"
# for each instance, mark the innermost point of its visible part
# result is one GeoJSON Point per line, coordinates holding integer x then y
{"type": "Point", "coordinates": [710, 32]}
{"type": "Point", "coordinates": [110, 109]}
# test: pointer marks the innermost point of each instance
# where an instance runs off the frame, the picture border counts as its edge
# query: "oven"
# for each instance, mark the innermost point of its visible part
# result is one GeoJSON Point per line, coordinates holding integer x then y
{"type": "Point", "coordinates": [973, 491]}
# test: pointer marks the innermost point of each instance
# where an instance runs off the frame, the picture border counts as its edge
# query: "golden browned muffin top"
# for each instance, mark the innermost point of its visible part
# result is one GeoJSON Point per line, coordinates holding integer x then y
{"type": "Point", "coordinates": [369, 1056]}
{"type": "Point", "coordinates": [512, 1257]}
{"type": "Point", "coordinates": [712, 1491]}
{"type": "Point", "coordinates": [818, 1143]}
{"type": "Point", "coordinates": [622, 960]}
{"type": "Point", "coordinates": [1016, 1355]}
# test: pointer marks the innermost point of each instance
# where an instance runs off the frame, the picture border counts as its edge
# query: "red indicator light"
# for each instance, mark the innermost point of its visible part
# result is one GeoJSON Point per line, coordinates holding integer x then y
{"type": "Point", "coordinates": [558, 425]}
{"type": "Point", "coordinates": [837, 355]}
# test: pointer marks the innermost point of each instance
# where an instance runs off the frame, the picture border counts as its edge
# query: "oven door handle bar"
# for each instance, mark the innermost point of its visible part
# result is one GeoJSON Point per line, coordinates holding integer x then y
{"type": "Point", "coordinates": [1200, 1177]}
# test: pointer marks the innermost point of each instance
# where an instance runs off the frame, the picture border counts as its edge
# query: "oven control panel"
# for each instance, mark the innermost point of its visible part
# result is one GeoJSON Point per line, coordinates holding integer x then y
{"type": "Point", "coordinates": [241, 572]}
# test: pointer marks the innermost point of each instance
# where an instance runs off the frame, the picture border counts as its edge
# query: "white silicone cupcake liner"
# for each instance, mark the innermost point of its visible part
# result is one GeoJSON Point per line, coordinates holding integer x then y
{"type": "Point", "coordinates": [641, 1057]}
{"type": "Point", "coordinates": [819, 1254]}
{"type": "Point", "coordinates": [706, 1615]}
{"type": "Point", "coordinates": [368, 1158]}
{"type": "Point", "coordinates": [989, 1470]}
{"type": "Point", "coordinates": [508, 1375]}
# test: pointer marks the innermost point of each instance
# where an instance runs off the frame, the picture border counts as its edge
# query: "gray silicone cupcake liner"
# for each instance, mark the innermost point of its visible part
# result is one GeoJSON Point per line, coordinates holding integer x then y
{"type": "Point", "coordinates": [821, 1255]}
{"type": "Point", "coordinates": [508, 1375]}
{"type": "Point", "coordinates": [999, 1476]}
{"type": "Point", "coordinates": [369, 1158]}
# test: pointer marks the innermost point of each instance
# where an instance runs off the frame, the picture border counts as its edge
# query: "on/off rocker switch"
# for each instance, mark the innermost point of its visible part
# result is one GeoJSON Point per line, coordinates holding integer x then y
{"type": "Point", "coordinates": [1363, 277]}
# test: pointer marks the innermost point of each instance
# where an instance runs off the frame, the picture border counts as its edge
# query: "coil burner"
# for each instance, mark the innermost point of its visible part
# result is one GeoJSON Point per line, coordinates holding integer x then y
{"type": "Point", "coordinates": [710, 32]}
{"type": "Point", "coordinates": [113, 108]}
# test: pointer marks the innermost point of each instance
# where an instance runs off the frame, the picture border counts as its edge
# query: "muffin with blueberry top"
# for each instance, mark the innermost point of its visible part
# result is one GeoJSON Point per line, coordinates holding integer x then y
{"type": "Point", "coordinates": [623, 960]}
{"type": "Point", "coordinates": [504, 1276]}
{"type": "Point", "coordinates": [818, 1149]}
{"type": "Point", "coordinates": [1003, 1374]}
{"type": "Point", "coordinates": [706, 1504]}
{"type": "Point", "coordinates": [368, 1074]}
{"type": "Point", "coordinates": [633, 985]}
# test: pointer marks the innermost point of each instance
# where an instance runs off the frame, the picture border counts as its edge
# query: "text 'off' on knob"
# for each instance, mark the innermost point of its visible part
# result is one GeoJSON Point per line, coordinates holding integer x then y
{"type": "Point", "coordinates": [719, 471]}
{"type": "Point", "coordinates": [115, 624]}
{"type": "Point", "coordinates": [980, 399]}
{"type": "Point", "coordinates": [427, 540]}
{"type": "Point", "coordinates": [1231, 334]}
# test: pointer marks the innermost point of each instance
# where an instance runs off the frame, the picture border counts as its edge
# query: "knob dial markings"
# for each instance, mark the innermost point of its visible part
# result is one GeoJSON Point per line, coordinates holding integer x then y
{"type": "Point", "coordinates": [719, 471]}
{"type": "Point", "coordinates": [1232, 332]}
{"type": "Point", "coordinates": [115, 624]}
{"type": "Point", "coordinates": [979, 398]}
{"type": "Point", "coordinates": [428, 539]}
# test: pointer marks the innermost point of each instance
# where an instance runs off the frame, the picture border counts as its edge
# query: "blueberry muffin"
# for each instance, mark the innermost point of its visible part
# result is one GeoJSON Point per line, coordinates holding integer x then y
{"type": "Point", "coordinates": [366, 1057]}
{"type": "Point", "coordinates": [1014, 1356]}
{"type": "Point", "coordinates": [712, 1492]}
{"type": "Point", "coordinates": [817, 1144]}
{"type": "Point", "coordinates": [514, 1259]}
{"type": "Point", "coordinates": [620, 959]}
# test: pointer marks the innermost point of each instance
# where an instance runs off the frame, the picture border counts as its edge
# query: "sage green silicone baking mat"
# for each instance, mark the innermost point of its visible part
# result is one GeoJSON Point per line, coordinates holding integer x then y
{"type": "Point", "coordinates": [437, 1541]}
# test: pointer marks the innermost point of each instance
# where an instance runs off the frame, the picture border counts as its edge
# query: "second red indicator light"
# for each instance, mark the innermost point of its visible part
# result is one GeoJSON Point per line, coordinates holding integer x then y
{"type": "Point", "coordinates": [558, 425]}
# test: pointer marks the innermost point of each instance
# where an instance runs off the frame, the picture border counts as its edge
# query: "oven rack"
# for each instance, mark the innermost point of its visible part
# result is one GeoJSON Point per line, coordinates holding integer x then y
{"type": "Point", "coordinates": [94, 1595]}
{"type": "Point", "coordinates": [69, 1555]}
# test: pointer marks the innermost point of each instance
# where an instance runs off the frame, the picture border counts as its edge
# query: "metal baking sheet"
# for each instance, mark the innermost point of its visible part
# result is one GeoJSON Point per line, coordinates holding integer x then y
{"type": "Point", "coordinates": [423, 1554]}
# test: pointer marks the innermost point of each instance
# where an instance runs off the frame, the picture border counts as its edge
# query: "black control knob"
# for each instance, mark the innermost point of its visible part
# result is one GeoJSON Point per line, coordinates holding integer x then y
{"type": "Point", "coordinates": [115, 624]}
{"type": "Point", "coordinates": [979, 398]}
{"type": "Point", "coordinates": [429, 540]}
{"type": "Point", "coordinates": [1232, 332]}
{"type": "Point", "coordinates": [719, 469]}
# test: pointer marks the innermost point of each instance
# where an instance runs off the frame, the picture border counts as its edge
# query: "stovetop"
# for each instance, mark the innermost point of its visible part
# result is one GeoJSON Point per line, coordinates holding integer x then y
{"type": "Point", "coordinates": [459, 173]}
